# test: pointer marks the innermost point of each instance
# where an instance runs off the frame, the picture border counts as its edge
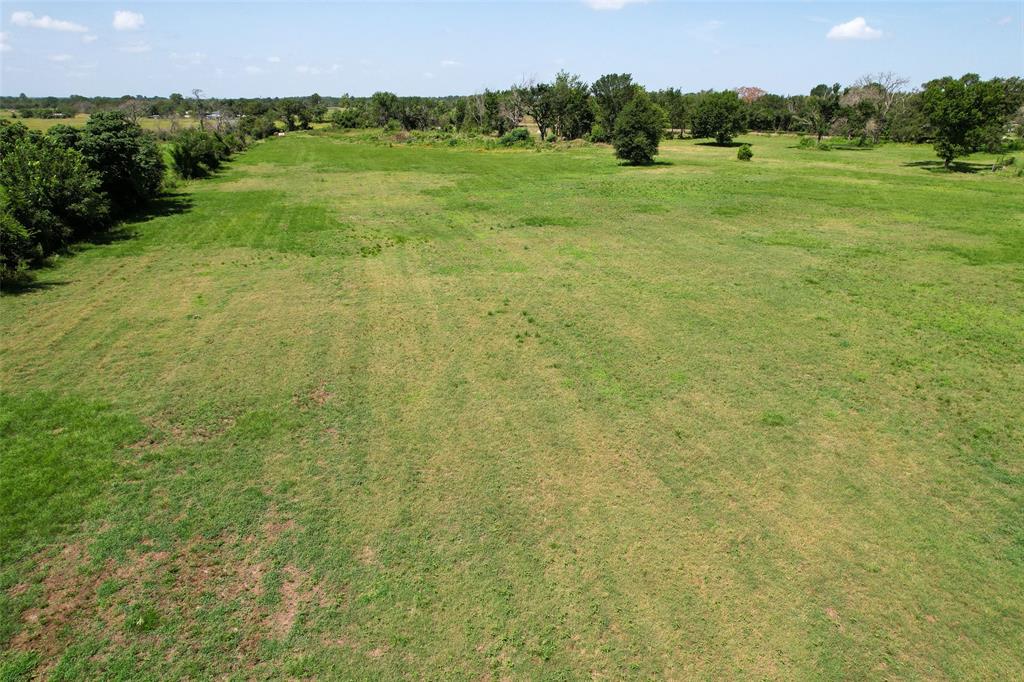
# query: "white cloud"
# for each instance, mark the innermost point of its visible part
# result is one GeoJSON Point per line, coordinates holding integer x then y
{"type": "Point", "coordinates": [60, 58]}
{"type": "Point", "coordinates": [253, 70]}
{"type": "Point", "coordinates": [450, 63]}
{"type": "Point", "coordinates": [46, 22]}
{"type": "Point", "coordinates": [274, 60]}
{"type": "Point", "coordinates": [135, 48]}
{"type": "Point", "coordinates": [128, 21]}
{"type": "Point", "coordinates": [601, 5]}
{"type": "Point", "coordinates": [1004, 21]}
{"type": "Point", "coordinates": [854, 29]}
{"type": "Point", "coordinates": [428, 75]}
{"type": "Point", "coordinates": [89, 39]}
{"type": "Point", "coordinates": [4, 45]}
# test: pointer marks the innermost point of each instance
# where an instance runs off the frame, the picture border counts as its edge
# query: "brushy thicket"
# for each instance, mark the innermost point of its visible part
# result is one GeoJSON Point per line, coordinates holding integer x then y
{"type": "Point", "coordinates": [744, 153]}
{"type": "Point", "coordinates": [68, 184]}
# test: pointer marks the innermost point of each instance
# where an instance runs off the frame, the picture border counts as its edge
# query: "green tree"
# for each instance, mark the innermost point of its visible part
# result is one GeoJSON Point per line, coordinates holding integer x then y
{"type": "Point", "coordinates": [573, 115]}
{"type": "Point", "coordinates": [638, 130]}
{"type": "Point", "coordinates": [718, 115]}
{"type": "Point", "coordinates": [126, 157]}
{"type": "Point", "coordinates": [965, 114]}
{"type": "Point", "coordinates": [539, 103]}
{"type": "Point", "coordinates": [612, 92]}
{"type": "Point", "coordinates": [822, 108]}
{"type": "Point", "coordinates": [52, 193]}
{"type": "Point", "coordinates": [384, 107]}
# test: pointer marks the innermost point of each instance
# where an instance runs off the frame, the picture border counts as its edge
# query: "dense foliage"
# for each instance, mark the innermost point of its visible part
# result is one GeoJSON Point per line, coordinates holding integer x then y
{"type": "Point", "coordinates": [49, 196]}
{"type": "Point", "coordinates": [69, 183]}
{"type": "Point", "coordinates": [129, 163]}
{"type": "Point", "coordinates": [638, 130]}
{"type": "Point", "coordinates": [718, 115]}
{"type": "Point", "coordinates": [966, 114]}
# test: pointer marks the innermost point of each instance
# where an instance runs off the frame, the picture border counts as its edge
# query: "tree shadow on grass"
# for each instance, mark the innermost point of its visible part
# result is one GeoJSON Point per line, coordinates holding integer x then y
{"type": "Point", "coordinates": [652, 164]}
{"type": "Point", "coordinates": [724, 145]}
{"type": "Point", "coordinates": [955, 167]}
{"type": "Point", "coordinates": [164, 205]}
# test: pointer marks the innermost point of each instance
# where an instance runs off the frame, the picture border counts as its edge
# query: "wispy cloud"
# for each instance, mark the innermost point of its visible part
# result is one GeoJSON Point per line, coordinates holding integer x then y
{"type": "Point", "coordinates": [1004, 21]}
{"type": "Point", "coordinates": [60, 58]}
{"type": "Point", "coordinates": [90, 38]}
{"type": "Point", "coordinates": [125, 20]}
{"type": "Point", "coordinates": [274, 60]}
{"type": "Point", "coordinates": [307, 70]}
{"type": "Point", "coordinates": [428, 75]}
{"type": "Point", "coordinates": [254, 70]}
{"type": "Point", "coordinates": [854, 29]}
{"type": "Point", "coordinates": [4, 45]}
{"type": "Point", "coordinates": [448, 63]}
{"type": "Point", "coordinates": [46, 22]}
{"type": "Point", "coordinates": [604, 5]}
{"type": "Point", "coordinates": [135, 48]}
{"type": "Point", "coordinates": [188, 58]}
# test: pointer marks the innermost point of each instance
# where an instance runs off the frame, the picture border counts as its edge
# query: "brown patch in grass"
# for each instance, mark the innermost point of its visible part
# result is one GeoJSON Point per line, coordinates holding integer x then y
{"type": "Point", "coordinates": [18, 589]}
{"type": "Point", "coordinates": [281, 621]}
{"type": "Point", "coordinates": [377, 652]}
{"type": "Point", "coordinates": [367, 556]}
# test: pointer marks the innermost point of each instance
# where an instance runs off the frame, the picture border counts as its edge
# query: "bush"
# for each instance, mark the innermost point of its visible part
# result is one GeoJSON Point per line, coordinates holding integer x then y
{"type": "Point", "coordinates": [258, 127]}
{"type": "Point", "coordinates": [599, 134]}
{"type": "Point", "coordinates": [807, 142]}
{"type": "Point", "coordinates": [126, 157]}
{"type": "Point", "coordinates": [348, 118]}
{"type": "Point", "coordinates": [50, 197]}
{"type": "Point", "coordinates": [17, 249]}
{"type": "Point", "coordinates": [195, 153]}
{"type": "Point", "coordinates": [744, 153]}
{"type": "Point", "coordinates": [516, 136]}
{"type": "Point", "coordinates": [638, 130]}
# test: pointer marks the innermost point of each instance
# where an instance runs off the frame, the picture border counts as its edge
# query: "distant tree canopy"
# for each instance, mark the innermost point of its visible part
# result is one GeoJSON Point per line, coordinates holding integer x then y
{"type": "Point", "coordinates": [612, 93]}
{"type": "Point", "coordinates": [718, 115]}
{"type": "Point", "coordinates": [823, 107]}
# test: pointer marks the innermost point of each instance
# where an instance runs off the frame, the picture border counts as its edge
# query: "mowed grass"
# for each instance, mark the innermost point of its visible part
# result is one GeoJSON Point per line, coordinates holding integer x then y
{"type": "Point", "coordinates": [362, 411]}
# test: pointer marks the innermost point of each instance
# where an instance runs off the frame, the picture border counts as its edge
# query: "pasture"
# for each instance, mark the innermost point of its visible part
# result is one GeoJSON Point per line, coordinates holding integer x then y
{"type": "Point", "coordinates": [355, 409]}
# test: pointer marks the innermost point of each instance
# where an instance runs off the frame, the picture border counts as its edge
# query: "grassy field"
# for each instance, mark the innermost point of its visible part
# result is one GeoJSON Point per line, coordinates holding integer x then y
{"type": "Point", "coordinates": [368, 411]}
{"type": "Point", "coordinates": [79, 120]}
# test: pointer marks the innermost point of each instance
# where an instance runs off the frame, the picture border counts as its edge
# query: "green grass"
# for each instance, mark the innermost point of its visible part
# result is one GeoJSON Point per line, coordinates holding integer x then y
{"type": "Point", "coordinates": [357, 410]}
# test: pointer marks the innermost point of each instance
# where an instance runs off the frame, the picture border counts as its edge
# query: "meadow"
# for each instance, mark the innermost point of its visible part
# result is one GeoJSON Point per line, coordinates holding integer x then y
{"type": "Point", "coordinates": [358, 409]}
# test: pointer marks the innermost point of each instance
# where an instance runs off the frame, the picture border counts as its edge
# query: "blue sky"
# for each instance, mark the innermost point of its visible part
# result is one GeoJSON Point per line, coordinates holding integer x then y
{"type": "Point", "coordinates": [234, 49]}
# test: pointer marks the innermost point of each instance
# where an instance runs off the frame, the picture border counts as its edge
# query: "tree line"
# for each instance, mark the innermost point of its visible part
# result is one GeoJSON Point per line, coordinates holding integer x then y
{"type": "Point", "coordinates": [69, 183]}
{"type": "Point", "coordinates": [65, 184]}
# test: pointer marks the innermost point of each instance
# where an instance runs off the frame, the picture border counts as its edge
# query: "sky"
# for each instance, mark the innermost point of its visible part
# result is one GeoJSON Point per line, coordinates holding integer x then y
{"type": "Point", "coordinates": [265, 48]}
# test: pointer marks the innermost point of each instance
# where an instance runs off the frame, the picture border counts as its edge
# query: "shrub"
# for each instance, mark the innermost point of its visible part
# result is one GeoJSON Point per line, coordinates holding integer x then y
{"type": "Point", "coordinates": [50, 196]}
{"type": "Point", "coordinates": [744, 153]}
{"type": "Point", "coordinates": [516, 136]}
{"type": "Point", "coordinates": [806, 142]}
{"type": "Point", "coordinates": [348, 118]}
{"type": "Point", "coordinates": [126, 157]}
{"type": "Point", "coordinates": [17, 248]}
{"type": "Point", "coordinates": [258, 127]}
{"type": "Point", "coordinates": [638, 130]}
{"type": "Point", "coordinates": [195, 153]}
